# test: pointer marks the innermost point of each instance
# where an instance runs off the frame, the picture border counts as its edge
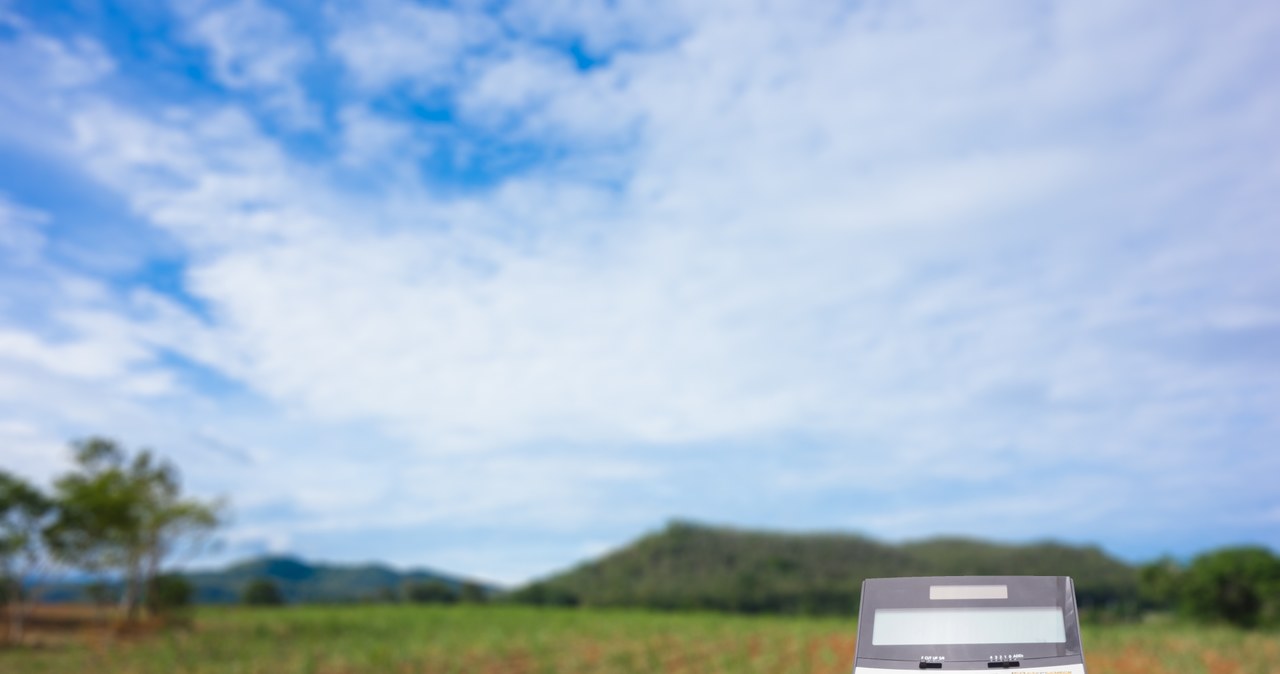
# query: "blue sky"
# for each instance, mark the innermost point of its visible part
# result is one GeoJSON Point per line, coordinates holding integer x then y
{"type": "Point", "coordinates": [496, 286]}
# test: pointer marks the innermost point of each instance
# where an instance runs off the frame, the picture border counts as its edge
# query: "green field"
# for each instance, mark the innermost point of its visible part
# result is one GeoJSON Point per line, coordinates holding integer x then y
{"type": "Point", "coordinates": [515, 640]}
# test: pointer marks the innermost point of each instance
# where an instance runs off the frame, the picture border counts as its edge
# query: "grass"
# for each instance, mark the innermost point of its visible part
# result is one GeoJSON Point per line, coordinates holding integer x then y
{"type": "Point", "coordinates": [518, 640]}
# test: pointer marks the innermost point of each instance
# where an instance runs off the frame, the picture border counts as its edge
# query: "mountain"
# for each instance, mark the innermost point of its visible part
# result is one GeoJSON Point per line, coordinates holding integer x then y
{"type": "Point", "coordinates": [299, 582]}
{"type": "Point", "coordinates": [302, 581]}
{"type": "Point", "coordinates": [689, 565]}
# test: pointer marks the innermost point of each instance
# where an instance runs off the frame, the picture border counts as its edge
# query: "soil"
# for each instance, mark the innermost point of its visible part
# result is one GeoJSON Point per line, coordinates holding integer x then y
{"type": "Point", "coordinates": [53, 625]}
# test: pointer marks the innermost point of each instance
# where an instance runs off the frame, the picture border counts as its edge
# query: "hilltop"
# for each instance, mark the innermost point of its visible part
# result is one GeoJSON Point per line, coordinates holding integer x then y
{"type": "Point", "coordinates": [689, 565]}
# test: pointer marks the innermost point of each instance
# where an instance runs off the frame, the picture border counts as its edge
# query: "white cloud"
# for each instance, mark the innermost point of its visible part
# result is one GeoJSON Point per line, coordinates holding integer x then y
{"type": "Point", "coordinates": [369, 138]}
{"type": "Point", "coordinates": [84, 331]}
{"type": "Point", "coordinates": [40, 78]}
{"type": "Point", "coordinates": [254, 47]}
{"type": "Point", "coordinates": [210, 177]}
{"type": "Point", "coordinates": [95, 357]}
{"type": "Point", "coordinates": [29, 448]}
{"type": "Point", "coordinates": [387, 43]}
{"type": "Point", "coordinates": [48, 62]}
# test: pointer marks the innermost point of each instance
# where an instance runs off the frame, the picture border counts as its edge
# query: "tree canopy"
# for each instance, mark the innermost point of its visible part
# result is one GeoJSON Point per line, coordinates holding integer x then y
{"type": "Point", "coordinates": [1240, 586]}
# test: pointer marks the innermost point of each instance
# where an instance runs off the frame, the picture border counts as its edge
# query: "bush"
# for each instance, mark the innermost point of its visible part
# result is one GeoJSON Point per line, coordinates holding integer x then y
{"type": "Point", "coordinates": [431, 592]}
{"type": "Point", "coordinates": [546, 594]}
{"type": "Point", "coordinates": [263, 592]}
{"type": "Point", "coordinates": [473, 593]}
{"type": "Point", "coordinates": [169, 593]}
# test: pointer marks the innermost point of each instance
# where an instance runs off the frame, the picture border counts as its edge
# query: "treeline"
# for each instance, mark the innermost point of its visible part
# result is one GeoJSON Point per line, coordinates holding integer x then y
{"type": "Point", "coordinates": [692, 566]}
{"type": "Point", "coordinates": [115, 514]}
{"type": "Point", "coordinates": [297, 581]}
{"type": "Point", "coordinates": [268, 592]}
{"type": "Point", "coordinates": [1239, 586]}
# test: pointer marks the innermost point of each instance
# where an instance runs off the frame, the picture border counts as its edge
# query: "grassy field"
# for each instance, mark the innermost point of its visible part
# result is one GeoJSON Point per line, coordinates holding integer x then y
{"type": "Point", "coordinates": [512, 640]}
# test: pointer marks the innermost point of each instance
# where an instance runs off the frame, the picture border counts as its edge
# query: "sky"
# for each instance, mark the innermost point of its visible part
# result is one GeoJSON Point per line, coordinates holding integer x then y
{"type": "Point", "coordinates": [495, 287]}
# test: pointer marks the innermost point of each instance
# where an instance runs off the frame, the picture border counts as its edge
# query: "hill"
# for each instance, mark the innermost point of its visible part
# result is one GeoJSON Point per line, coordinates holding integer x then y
{"type": "Point", "coordinates": [689, 565]}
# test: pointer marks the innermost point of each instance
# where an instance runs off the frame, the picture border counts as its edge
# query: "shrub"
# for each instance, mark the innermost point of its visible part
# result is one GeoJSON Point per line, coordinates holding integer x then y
{"type": "Point", "coordinates": [169, 593]}
{"type": "Point", "coordinates": [263, 592]}
{"type": "Point", "coordinates": [431, 592]}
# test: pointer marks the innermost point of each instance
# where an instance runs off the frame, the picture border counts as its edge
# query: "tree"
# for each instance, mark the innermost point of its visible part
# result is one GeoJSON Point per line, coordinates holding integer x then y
{"type": "Point", "coordinates": [263, 592]}
{"type": "Point", "coordinates": [1159, 583]}
{"type": "Point", "coordinates": [432, 592]}
{"type": "Point", "coordinates": [168, 522]}
{"type": "Point", "coordinates": [169, 593]}
{"type": "Point", "coordinates": [96, 524]}
{"type": "Point", "coordinates": [546, 594]}
{"type": "Point", "coordinates": [125, 514]}
{"type": "Point", "coordinates": [1237, 585]}
{"type": "Point", "coordinates": [24, 514]}
{"type": "Point", "coordinates": [473, 593]}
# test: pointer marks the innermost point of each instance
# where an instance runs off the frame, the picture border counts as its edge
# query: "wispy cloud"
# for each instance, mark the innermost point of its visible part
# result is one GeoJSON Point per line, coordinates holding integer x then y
{"type": "Point", "coordinates": [255, 48]}
{"type": "Point", "coordinates": [425, 47]}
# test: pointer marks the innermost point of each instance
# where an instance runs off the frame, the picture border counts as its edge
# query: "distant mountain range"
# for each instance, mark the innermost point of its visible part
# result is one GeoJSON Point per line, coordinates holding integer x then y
{"type": "Point", "coordinates": [302, 582]}
{"type": "Point", "coordinates": [689, 565]}
{"type": "Point", "coordinates": [299, 582]}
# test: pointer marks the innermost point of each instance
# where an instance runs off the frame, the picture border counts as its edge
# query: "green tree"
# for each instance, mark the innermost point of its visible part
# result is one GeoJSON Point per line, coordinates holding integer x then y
{"type": "Point", "coordinates": [1240, 586]}
{"type": "Point", "coordinates": [125, 514]}
{"type": "Point", "coordinates": [169, 594]}
{"type": "Point", "coordinates": [544, 593]}
{"type": "Point", "coordinates": [24, 515]}
{"type": "Point", "coordinates": [431, 592]}
{"type": "Point", "coordinates": [473, 593]}
{"type": "Point", "coordinates": [263, 592]}
{"type": "Point", "coordinates": [169, 523]}
{"type": "Point", "coordinates": [1160, 583]}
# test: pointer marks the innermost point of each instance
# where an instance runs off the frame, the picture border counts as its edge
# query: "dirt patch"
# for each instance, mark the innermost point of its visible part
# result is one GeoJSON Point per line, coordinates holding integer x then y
{"type": "Point", "coordinates": [55, 625]}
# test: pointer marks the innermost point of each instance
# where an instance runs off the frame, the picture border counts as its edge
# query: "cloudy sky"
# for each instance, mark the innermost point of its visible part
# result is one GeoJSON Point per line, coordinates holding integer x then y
{"type": "Point", "coordinates": [495, 286]}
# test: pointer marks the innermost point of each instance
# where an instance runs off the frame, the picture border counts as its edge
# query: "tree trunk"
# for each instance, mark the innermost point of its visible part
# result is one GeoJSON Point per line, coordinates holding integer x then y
{"type": "Point", "coordinates": [16, 610]}
{"type": "Point", "coordinates": [130, 597]}
{"type": "Point", "coordinates": [135, 593]}
{"type": "Point", "coordinates": [153, 569]}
